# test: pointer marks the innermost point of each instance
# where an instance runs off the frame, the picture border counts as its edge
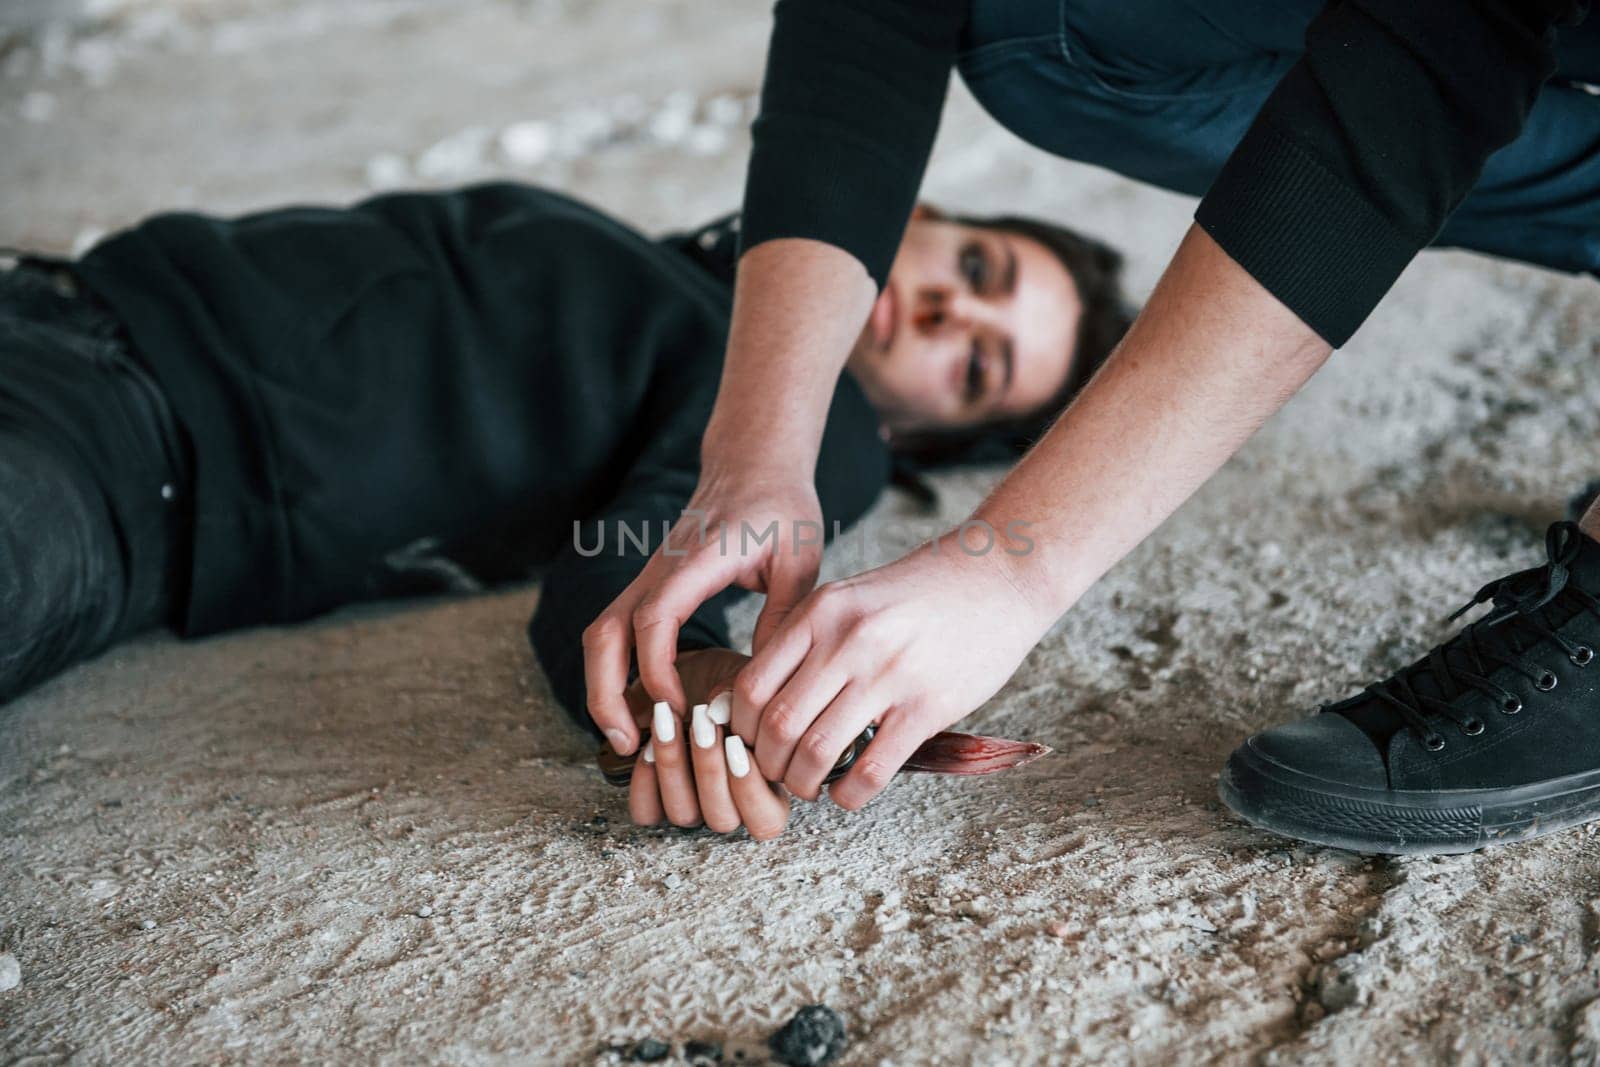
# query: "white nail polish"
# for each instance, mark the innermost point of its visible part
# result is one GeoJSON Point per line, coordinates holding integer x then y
{"type": "Point", "coordinates": [722, 708]}
{"type": "Point", "coordinates": [650, 751]}
{"type": "Point", "coordinates": [666, 726]}
{"type": "Point", "coordinates": [705, 734]}
{"type": "Point", "coordinates": [738, 760]}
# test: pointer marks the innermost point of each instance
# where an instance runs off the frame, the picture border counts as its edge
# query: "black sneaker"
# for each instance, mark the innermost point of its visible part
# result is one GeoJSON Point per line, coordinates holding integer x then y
{"type": "Point", "coordinates": [1492, 737]}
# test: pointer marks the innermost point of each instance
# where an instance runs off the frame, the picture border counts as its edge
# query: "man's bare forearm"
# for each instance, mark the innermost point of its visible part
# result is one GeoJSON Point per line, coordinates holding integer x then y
{"type": "Point", "coordinates": [1210, 358]}
{"type": "Point", "coordinates": [799, 306]}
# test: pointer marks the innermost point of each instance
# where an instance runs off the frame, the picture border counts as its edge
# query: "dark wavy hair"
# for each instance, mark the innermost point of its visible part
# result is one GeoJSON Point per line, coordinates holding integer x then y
{"type": "Point", "coordinates": [1096, 270]}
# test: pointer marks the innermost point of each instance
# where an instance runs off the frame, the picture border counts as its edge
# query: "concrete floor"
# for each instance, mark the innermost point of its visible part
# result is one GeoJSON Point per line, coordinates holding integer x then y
{"type": "Point", "coordinates": [375, 838]}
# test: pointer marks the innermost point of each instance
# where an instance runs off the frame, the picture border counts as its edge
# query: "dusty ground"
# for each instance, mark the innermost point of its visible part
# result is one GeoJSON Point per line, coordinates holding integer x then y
{"type": "Point", "coordinates": [375, 837]}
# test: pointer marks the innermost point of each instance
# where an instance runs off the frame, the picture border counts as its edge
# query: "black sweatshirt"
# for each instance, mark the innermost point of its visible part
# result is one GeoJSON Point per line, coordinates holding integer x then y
{"type": "Point", "coordinates": [473, 371]}
{"type": "Point", "coordinates": [1353, 165]}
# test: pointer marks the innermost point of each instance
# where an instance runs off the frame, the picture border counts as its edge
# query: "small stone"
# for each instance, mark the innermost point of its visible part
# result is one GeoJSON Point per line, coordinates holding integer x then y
{"type": "Point", "coordinates": [425, 911]}
{"type": "Point", "coordinates": [649, 1050]}
{"type": "Point", "coordinates": [672, 881]}
{"type": "Point", "coordinates": [894, 922]}
{"type": "Point", "coordinates": [1335, 987]}
{"type": "Point", "coordinates": [386, 170]}
{"type": "Point", "coordinates": [455, 157]}
{"type": "Point", "coordinates": [979, 909]}
{"type": "Point", "coordinates": [1330, 949]}
{"type": "Point", "coordinates": [673, 122]}
{"type": "Point", "coordinates": [813, 1037]}
{"type": "Point", "coordinates": [147, 924]}
{"type": "Point", "coordinates": [706, 140]}
{"type": "Point", "coordinates": [702, 1052]}
{"type": "Point", "coordinates": [527, 144]}
{"type": "Point", "coordinates": [10, 972]}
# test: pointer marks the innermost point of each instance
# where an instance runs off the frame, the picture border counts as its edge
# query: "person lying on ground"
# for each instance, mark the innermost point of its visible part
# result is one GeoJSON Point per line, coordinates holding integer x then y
{"type": "Point", "coordinates": [208, 423]}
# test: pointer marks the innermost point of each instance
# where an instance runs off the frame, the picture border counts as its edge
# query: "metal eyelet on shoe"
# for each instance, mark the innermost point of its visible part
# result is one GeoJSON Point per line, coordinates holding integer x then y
{"type": "Point", "coordinates": [1511, 705]}
{"type": "Point", "coordinates": [1583, 656]}
{"type": "Point", "coordinates": [1434, 743]}
{"type": "Point", "coordinates": [1472, 727]}
{"type": "Point", "coordinates": [1547, 681]}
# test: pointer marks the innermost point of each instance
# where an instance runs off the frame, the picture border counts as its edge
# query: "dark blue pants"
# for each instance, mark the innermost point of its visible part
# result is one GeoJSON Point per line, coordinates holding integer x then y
{"type": "Point", "coordinates": [93, 486]}
{"type": "Point", "coordinates": [1162, 90]}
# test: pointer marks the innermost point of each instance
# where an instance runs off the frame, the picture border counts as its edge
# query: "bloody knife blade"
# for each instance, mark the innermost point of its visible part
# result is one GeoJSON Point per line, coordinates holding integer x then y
{"type": "Point", "coordinates": [951, 752]}
{"type": "Point", "coordinates": [946, 752]}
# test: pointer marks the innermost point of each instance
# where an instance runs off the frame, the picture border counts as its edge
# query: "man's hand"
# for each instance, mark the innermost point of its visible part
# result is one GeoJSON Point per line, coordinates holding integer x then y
{"type": "Point", "coordinates": [914, 646]}
{"type": "Point", "coordinates": [714, 545]}
{"type": "Point", "coordinates": [702, 773]}
{"type": "Point", "coordinates": [919, 643]}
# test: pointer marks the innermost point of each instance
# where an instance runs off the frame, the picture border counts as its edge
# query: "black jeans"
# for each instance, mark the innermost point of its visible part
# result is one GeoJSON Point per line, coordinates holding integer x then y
{"type": "Point", "coordinates": [1162, 91]}
{"type": "Point", "coordinates": [94, 483]}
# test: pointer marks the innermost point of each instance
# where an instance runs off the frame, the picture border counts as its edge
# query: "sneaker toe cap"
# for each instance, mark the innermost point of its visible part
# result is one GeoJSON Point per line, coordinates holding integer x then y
{"type": "Point", "coordinates": [1327, 746]}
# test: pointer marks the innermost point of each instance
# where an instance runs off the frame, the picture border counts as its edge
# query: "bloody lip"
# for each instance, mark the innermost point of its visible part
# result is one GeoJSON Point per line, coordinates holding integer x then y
{"type": "Point", "coordinates": [884, 318]}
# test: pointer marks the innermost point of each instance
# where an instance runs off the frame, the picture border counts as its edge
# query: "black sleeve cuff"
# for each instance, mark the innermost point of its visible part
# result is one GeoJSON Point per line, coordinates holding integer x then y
{"type": "Point", "coordinates": [1313, 242]}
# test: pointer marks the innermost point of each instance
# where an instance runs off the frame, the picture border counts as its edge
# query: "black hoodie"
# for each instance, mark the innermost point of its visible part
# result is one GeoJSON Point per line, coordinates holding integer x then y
{"type": "Point", "coordinates": [473, 370]}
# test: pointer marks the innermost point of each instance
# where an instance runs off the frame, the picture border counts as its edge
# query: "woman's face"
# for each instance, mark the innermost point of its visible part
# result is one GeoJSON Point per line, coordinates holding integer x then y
{"type": "Point", "coordinates": [973, 325]}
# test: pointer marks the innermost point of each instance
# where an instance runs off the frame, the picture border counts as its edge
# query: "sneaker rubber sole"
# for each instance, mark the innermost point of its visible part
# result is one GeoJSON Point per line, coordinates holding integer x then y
{"type": "Point", "coordinates": [1281, 800]}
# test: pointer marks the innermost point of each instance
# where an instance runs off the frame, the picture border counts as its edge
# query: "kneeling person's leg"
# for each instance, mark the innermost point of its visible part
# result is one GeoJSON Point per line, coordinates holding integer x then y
{"type": "Point", "coordinates": [1162, 91]}
{"type": "Point", "coordinates": [1156, 90]}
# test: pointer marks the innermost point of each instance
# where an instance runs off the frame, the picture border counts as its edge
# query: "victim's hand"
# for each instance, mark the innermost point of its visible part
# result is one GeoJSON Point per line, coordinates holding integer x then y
{"type": "Point", "coordinates": [694, 564]}
{"type": "Point", "coordinates": [703, 773]}
{"type": "Point", "coordinates": [914, 646]}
